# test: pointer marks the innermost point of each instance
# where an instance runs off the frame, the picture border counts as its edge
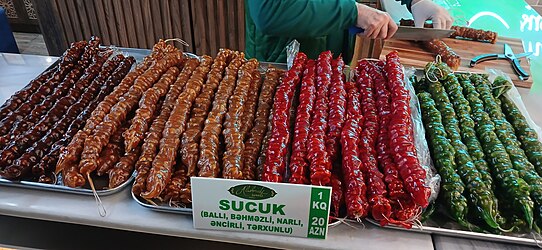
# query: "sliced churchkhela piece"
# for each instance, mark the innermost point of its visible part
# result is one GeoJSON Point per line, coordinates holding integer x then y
{"type": "Point", "coordinates": [95, 143]}
{"type": "Point", "coordinates": [208, 162]}
{"type": "Point", "coordinates": [438, 47]}
{"type": "Point", "coordinates": [275, 162]}
{"type": "Point", "coordinates": [232, 161]}
{"type": "Point", "coordinates": [463, 32]}
{"type": "Point", "coordinates": [299, 164]}
{"type": "Point", "coordinates": [162, 165]}
{"type": "Point", "coordinates": [109, 77]}
{"type": "Point", "coordinates": [149, 149]}
{"type": "Point", "coordinates": [53, 126]}
{"type": "Point", "coordinates": [67, 61]}
{"type": "Point", "coordinates": [147, 105]}
{"type": "Point", "coordinates": [320, 161]}
{"type": "Point", "coordinates": [191, 137]}
{"type": "Point", "coordinates": [254, 141]}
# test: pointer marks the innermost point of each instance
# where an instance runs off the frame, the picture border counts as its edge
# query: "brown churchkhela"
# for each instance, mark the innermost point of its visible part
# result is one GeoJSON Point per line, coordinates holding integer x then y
{"type": "Point", "coordinates": [70, 155]}
{"type": "Point", "coordinates": [123, 169]}
{"type": "Point", "coordinates": [149, 149]}
{"type": "Point", "coordinates": [463, 32]}
{"type": "Point", "coordinates": [95, 143]}
{"type": "Point", "coordinates": [162, 165]}
{"type": "Point", "coordinates": [111, 153]}
{"type": "Point", "coordinates": [191, 137]}
{"type": "Point", "coordinates": [255, 138]}
{"type": "Point", "coordinates": [208, 162]}
{"type": "Point", "coordinates": [232, 160]}
{"type": "Point", "coordinates": [111, 111]}
{"type": "Point", "coordinates": [147, 105]}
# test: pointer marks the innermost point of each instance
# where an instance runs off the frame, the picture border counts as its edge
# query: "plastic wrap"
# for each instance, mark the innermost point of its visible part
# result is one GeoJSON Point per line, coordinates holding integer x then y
{"type": "Point", "coordinates": [515, 97]}
{"type": "Point", "coordinates": [291, 51]}
{"type": "Point", "coordinates": [424, 156]}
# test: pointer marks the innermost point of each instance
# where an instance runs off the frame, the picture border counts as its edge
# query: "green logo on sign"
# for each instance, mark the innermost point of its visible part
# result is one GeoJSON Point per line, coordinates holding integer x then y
{"type": "Point", "coordinates": [252, 192]}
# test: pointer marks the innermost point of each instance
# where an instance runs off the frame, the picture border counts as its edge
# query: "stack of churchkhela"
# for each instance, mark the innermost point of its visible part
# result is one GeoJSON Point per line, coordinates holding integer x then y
{"type": "Point", "coordinates": [439, 47]}
{"type": "Point", "coordinates": [205, 117]}
{"type": "Point", "coordinates": [37, 121]}
{"type": "Point", "coordinates": [487, 154]}
{"type": "Point", "coordinates": [356, 137]}
{"type": "Point", "coordinates": [104, 145]}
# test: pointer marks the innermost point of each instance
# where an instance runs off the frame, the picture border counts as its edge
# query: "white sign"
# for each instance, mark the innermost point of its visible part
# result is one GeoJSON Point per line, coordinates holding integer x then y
{"type": "Point", "coordinates": [260, 207]}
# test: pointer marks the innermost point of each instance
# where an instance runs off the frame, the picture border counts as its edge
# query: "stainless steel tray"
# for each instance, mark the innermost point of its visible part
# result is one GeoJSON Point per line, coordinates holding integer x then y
{"type": "Point", "coordinates": [100, 183]}
{"type": "Point", "coordinates": [525, 239]}
{"type": "Point", "coordinates": [161, 207]}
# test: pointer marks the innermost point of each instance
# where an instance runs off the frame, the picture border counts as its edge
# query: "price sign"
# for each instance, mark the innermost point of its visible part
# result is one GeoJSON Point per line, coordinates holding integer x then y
{"type": "Point", "coordinates": [261, 207]}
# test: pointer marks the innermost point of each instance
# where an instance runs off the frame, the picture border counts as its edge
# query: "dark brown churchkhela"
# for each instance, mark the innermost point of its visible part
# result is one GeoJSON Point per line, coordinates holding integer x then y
{"type": "Point", "coordinates": [60, 101]}
{"type": "Point", "coordinates": [162, 165]}
{"type": "Point", "coordinates": [108, 80]}
{"type": "Point", "coordinates": [232, 160]}
{"type": "Point", "coordinates": [59, 91]}
{"type": "Point", "coordinates": [149, 149]}
{"type": "Point", "coordinates": [255, 138]}
{"type": "Point", "coordinates": [22, 95]}
{"type": "Point", "coordinates": [68, 59]}
{"type": "Point", "coordinates": [53, 126]}
{"type": "Point", "coordinates": [208, 162]}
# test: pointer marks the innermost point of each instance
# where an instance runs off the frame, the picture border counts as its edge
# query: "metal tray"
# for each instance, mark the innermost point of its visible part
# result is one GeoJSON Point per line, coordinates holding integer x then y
{"type": "Point", "coordinates": [436, 230]}
{"type": "Point", "coordinates": [100, 184]}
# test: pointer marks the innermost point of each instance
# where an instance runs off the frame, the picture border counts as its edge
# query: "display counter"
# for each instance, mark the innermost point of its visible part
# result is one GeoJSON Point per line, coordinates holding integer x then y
{"type": "Point", "coordinates": [123, 213]}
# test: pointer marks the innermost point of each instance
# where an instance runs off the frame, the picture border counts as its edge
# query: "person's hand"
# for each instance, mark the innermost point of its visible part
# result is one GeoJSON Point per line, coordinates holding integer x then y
{"type": "Point", "coordinates": [376, 23]}
{"type": "Point", "coordinates": [423, 10]}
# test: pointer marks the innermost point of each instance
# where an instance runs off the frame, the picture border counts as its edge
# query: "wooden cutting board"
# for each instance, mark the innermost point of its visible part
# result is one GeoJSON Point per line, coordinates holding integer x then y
{"type": "Point", "coordinates": [412, 54]}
